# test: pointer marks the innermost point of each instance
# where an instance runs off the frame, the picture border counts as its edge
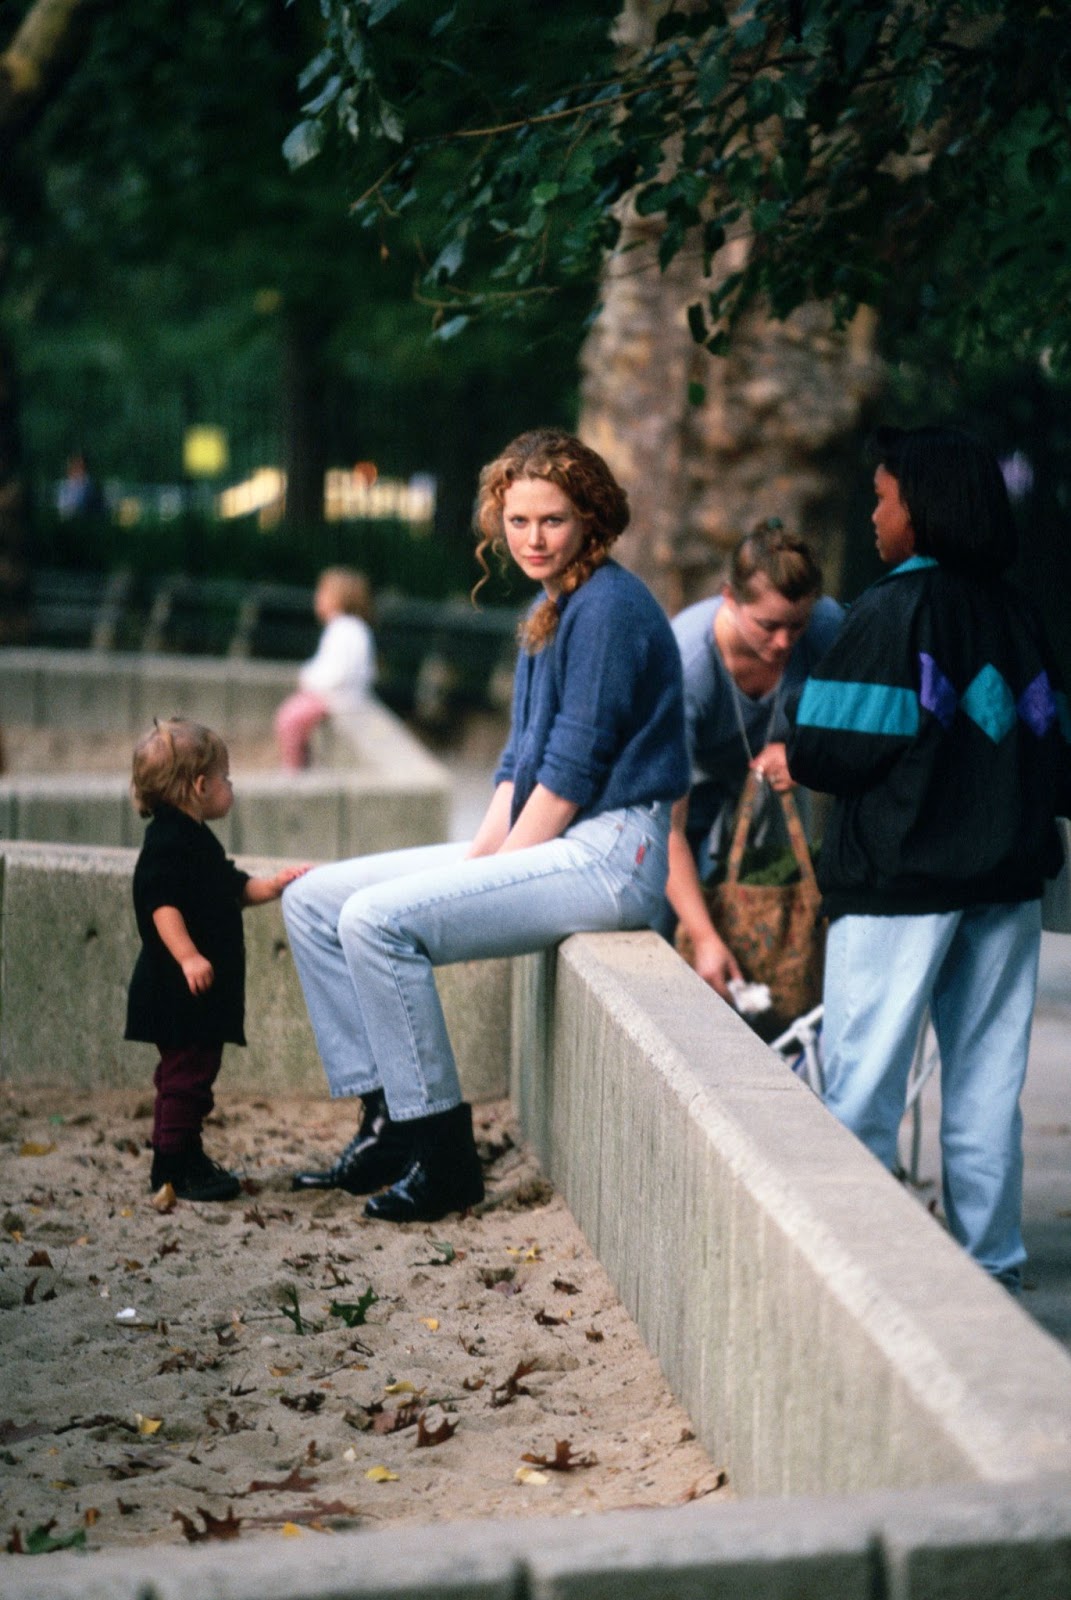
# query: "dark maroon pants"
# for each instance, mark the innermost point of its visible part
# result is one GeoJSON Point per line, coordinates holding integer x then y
{"type": "Point", "coordinates": [183, 1080]}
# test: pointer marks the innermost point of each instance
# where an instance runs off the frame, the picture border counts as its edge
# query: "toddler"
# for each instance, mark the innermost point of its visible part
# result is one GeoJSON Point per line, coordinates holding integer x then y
{"type": "Point", "coordinates": [340, 674]}
{"type": "Point", "coordinates": [187, 994]}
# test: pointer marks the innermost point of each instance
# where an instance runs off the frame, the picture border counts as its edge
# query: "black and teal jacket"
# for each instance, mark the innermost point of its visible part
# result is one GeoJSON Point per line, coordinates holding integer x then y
{"type": "Point", "coordinates": [935, 720]}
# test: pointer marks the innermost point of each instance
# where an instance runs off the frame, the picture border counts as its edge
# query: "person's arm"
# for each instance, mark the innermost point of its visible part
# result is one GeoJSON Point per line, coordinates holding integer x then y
{"type": "Point", "coordinates": [258, 891]}
{"type": "Point", "coordinates": [712, 959]}
{"type": "Point", "coordinates": [495, 825]}
{"type": "Point", "coordinates": [545, 815]}
{"type": "Point", "coordinates": [170, 924]}
{"type": "Point", "coordinates": [859, 709]}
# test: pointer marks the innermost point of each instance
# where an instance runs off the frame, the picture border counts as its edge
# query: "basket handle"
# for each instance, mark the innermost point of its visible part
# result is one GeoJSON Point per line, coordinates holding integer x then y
{"type": "Point", "coordinates": [745, 814]}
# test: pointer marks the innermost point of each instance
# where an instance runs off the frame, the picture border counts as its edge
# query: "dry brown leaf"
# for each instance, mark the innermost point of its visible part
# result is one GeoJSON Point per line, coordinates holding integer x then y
{"type": "Point", "coordinates": [594, 1335]}
{"type": "Point", "coordinates": [546, 1320]}
{"type": "Point", "coordinates": [512, 1387]}
{"type": "Point", "coordinates": [40, 1258]}
{"type": "Point", "coordinates": [34, 1147]}
{"type": "Point", "coordinates": [429, 1434]}
{"type": "Point", "coordinates": [563, 1459]}
{"type": "Point", "coordinates": [402, 1416]}
{"type": "Point", "coordinates": [294, 1480]}
{"type": "Point", "coordinates": [214, 1527]}
{"type": "Point", "coordinates": [563, 1286]}
{"type": "Point", "coordinates": [164, 1200]}
{"type": "Point", "coordinates": [310, 1401]}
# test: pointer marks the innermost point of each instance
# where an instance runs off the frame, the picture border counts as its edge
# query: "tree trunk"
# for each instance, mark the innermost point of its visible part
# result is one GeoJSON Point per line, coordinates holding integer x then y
{"type": "Point", "coordinates": [708, 446]}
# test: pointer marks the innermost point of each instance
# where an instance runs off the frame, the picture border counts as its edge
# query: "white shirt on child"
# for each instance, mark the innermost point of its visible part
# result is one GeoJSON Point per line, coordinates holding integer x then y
{"type": "Point", "coordinates": [344, 667]}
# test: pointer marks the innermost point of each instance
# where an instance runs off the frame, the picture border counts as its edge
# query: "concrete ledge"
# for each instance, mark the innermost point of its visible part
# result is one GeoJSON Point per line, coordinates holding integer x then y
{"type": "Point", "coordinates": [976, 1543]}
{"type": "Point", "coordinates": [67, 948]}
{"type": "Point", "coordinates": [380, 790]}
{"type": "Point", "coordinates": [821, 1330]}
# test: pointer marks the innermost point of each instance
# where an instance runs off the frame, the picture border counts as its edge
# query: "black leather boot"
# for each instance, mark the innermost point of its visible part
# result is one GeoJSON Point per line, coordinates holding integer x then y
{"type": "Point", "coordinates": [193, 1175]}
{"type": "Point", "coordinates": [378, 1153]}
{"type": "Point", "coordinates": [444, 1175]}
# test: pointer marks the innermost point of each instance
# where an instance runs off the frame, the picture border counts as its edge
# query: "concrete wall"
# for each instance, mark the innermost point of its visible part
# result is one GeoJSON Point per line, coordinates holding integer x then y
{"type": "Point", "coordinates": [821, 1330]}
{"type": "Point", "coordinates": [373, 788]}
{"type": "Point", "coordinates": [67, 948]}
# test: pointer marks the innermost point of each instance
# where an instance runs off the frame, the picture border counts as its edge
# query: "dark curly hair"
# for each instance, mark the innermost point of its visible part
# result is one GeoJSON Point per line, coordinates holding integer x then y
{"type": "Point", "coordinates": [581, 473]}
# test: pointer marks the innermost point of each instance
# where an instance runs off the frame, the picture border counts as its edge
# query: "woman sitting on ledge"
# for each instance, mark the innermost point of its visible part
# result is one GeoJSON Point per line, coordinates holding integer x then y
{"type": "Point", "coordinates": [575, 838]}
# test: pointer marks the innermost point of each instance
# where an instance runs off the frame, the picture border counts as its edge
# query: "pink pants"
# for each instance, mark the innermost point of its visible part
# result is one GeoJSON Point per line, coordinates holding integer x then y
{"type": "Point", "coordinates": [294, 721]}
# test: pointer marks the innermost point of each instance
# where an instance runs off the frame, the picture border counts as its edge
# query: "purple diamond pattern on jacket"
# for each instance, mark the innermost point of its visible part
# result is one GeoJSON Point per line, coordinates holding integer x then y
{"type": "Point", "coordinates": [1037, 705]}
{"type": "Point", "coordinates": [936, 694]}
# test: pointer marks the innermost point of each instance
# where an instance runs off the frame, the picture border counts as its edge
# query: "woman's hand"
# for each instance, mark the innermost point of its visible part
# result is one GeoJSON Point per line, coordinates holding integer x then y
{"type": "Point", "coordinates": [545, 815]}
{"type": "Point", "coordinates": [772, 764]}
{"type": "Point", "coordinates": [495, 825]}
{"type": "Point", "coordinates": [716, 964]}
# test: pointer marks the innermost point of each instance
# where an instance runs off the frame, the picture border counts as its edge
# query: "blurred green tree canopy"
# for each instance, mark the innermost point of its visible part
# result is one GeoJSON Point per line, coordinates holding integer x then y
{"type": "Point", "coordinates": [913, 155]}
{"type": "Point", "coordinates": [163, 265]}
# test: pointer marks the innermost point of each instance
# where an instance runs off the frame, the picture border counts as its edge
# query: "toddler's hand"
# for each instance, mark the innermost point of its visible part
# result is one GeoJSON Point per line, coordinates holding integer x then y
{"type": "Point", "coordinates": [288, 874]}
{"type": "Point", "coordinates": [198, 973]}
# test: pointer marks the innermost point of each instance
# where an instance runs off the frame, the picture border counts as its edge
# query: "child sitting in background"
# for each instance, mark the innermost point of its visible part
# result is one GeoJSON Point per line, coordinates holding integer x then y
{"type": "Point", "coordinates": [339, 676]}
{"type": "Point", "coordinates": [187, 994]}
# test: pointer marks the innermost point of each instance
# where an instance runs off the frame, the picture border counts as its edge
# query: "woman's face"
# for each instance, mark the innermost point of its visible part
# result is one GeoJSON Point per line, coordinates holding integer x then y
{"type": "Point", "coordinates": [544, 530]}
{"type": "Point", "coordinates": [767, 622]}
{"type": "Point", "coordinates": [892, 521]}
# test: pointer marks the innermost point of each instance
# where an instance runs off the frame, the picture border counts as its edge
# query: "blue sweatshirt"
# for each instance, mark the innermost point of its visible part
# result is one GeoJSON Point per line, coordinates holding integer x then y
{"type": "Point", "coordinates": [598, 713]}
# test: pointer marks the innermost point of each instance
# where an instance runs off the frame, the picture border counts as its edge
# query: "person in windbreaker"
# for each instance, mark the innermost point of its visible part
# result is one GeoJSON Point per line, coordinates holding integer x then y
{"type": "Point", "coordinates": [936, 722]}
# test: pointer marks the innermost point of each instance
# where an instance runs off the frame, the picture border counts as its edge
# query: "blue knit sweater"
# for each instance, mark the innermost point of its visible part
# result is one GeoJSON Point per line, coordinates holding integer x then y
{"type": "Point", "coordinates": [598, 713]}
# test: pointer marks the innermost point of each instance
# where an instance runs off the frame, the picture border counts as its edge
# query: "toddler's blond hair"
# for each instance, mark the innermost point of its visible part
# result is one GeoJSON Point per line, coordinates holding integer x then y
{"type": "Point", "coordinates": [169, 759]}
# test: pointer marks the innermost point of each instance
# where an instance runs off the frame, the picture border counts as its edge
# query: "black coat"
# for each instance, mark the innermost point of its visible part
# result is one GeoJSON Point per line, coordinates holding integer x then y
{"type": "Point", "coordinates": [183, 864]}
{"type": "Point", "coordinates": [936, 722]}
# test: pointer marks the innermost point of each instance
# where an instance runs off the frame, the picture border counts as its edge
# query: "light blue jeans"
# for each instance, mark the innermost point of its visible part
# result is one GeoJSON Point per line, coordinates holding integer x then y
{"type": "Point", "coordinates": [976, 970]}
{"type": "Point", "coordinates": [366, 934]}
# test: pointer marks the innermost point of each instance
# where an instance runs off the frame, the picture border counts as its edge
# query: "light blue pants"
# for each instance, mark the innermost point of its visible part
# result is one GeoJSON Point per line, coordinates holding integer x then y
{"type": "Point", "coordinates": [366, 934]}
{"type": "Point", "coordinates": [976, 970]}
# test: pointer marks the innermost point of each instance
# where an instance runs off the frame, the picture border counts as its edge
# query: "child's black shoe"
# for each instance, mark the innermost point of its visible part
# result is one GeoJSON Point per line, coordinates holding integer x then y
{"type": "Point", "coordinates": [193, 1175]}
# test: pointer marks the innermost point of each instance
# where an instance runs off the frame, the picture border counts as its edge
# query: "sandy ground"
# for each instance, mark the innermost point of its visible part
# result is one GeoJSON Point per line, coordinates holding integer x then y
{"type": "Point", "coordinates": [280, 1363]}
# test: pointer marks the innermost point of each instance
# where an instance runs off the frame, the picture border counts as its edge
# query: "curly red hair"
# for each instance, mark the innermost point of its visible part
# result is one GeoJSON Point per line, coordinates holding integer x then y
{"type": "Point", "coordinates": [581, 473]}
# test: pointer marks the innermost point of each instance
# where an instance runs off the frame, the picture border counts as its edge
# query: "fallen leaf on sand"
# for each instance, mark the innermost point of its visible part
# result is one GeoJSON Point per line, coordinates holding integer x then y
{"type": "Point", "coordinates": [381, 1475]}
{"type": "Point", "coordinates": [215, 1527]}
{"type": "Point", "coordinates": [512, 1387]}
{"type": "Point", "coordinates": [530, 1475]}
{"type": "Point", "coordinates": [402, 1416]}
{"type": "Point", "coordinates": [436, 1432]}
{"type": "Point", "coordinates": [33, 1147]}
{"type": "Point", "coordinates": [563, 1459]}
{"type": "Point", "coordinates": [164, 1200]}
{"type": "Point", "coordinates": [148, 1425]}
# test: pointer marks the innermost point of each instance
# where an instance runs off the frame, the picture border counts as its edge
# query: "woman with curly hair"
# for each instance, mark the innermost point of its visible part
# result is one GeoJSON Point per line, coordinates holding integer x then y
{"type": "Point", "coordinates": [574, 839]}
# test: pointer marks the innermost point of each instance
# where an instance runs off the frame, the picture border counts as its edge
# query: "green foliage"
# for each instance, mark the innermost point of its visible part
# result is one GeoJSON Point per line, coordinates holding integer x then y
{"type": "Point", "coordinates": [915, 156]}
{"type": "Point", "coordinates": [354, 1312]}
{"type": "Point", "coordinates": [166, 267]}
